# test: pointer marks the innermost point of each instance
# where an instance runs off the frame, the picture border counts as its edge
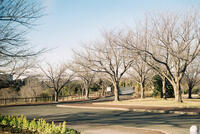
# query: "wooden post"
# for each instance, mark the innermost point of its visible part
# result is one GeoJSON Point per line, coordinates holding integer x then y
{"type": "Point", "coordinates": [5, 101]}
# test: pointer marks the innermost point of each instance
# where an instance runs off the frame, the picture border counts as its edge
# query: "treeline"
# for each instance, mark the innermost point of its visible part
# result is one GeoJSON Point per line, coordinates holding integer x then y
{"type": "Point", "coordinates": [33, 87]}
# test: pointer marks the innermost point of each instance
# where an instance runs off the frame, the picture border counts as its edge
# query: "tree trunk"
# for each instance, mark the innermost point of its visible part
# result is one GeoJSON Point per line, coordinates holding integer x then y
{"type": "Point", "coordinates": [102, 91]}
{"type": "Point", "coordinates": [136, 90]}
{"type": "Point", "coordinates": [163, 88]}
{"type": "Point", "coordinates": [86, 92]}
{"type": "Point", "coordinates": [82, 91]}
{"type": "Point", "coordinates": [116, 91]}
{"type": "Point", "coordinates": [190, 92]}
{"type": "Point", "coordinates": [142, 90]}
{"type": "Point", "coordinates": [177, 91]}
{"type": "Point", "coordinates": [56, 96]}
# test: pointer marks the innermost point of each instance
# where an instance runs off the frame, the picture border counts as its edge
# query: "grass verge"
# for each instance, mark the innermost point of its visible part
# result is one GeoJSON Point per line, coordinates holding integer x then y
{"type": "Point", "coordinates": [157, 102]}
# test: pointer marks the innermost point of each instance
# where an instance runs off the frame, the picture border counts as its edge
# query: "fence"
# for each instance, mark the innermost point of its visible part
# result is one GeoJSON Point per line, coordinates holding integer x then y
{"type": "Point", "coordinates": [42, 99]}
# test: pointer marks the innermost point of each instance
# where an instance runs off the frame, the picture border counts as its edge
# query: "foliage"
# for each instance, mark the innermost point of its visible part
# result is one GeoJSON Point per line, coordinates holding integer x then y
{"type": "Point", "coordinates": [157, 81]}
{"type": "Point", "coordinates": [126, 83]}
{"type": "Point", "coordinates": [195, 90]}
{"type": "Point", "coordinates": [74, 87]}
{"type": "Point", "coordinates": [94, 86]}
{"type": "Point", "coordinates": [40, 126]}
{"type": "Point", "coordinates": [44, 95]}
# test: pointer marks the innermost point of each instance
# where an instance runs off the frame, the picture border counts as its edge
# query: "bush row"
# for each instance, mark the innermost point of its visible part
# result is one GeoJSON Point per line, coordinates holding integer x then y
{"type": "Point", "coordinates": [36, 126]}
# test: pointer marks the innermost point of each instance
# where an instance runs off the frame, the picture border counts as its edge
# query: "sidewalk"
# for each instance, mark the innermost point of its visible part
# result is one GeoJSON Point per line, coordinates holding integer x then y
{"type": "Point", "coordinates": [187, 111]}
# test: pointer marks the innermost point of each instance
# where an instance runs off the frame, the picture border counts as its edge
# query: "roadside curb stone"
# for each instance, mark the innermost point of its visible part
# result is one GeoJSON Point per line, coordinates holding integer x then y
{"type": "Point", "coordinates": [127, 109]}
{"type": "Point", "coordinates": [90, 107]}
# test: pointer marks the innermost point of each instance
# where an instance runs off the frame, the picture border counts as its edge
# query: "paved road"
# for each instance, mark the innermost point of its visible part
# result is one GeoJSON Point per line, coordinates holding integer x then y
{"type": "Point", "coordinates": [92, 121]}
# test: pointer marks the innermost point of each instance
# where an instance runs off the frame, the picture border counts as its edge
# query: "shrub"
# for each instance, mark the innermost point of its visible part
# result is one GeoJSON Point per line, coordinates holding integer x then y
{"type": "Point", "coordinates": [41, 126]}
{"type": "Point", "coordinates": [33, 125]}
{"type": "Point", "coordinates": [195, 90]}
{"type": "Point", "coordinates": [19, 121]}
{"type": "Point", "coordinates": [25, 124]}
{"type": "Point", "coordinates": [13, 122]}
{"type": "Point", "coordinates": [157, 81]}
{"type": "Point", "coordinates": [63, 130]}
{"type": "Point", "coordinates": [44, 95]}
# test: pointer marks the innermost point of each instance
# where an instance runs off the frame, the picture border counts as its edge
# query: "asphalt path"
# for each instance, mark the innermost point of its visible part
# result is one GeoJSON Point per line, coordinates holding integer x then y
{"type": "Point", "coordinates": [96, 121]}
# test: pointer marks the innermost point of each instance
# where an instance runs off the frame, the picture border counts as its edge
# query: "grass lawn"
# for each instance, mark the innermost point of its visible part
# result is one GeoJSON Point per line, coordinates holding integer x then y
{"type": "Point", "coordinates": [157, 102]}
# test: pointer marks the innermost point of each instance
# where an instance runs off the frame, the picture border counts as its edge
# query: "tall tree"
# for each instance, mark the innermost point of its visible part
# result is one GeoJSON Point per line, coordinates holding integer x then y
{"type": "Point", "coordinates": [171, 42]}
{"type": "Point", "coordinates": [16, 17]}
{"type": "Point", "coordinates": [108, 58]}
{"type": "Point", "coordinates": [56, 78]}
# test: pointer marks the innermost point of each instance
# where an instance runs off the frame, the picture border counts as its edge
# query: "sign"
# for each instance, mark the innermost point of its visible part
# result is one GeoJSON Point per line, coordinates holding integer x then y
{"type": "Point", "coordinates": [108, 89]}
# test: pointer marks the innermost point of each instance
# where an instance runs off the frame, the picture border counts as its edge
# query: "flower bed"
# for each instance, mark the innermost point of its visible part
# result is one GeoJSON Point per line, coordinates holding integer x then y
{"type": "Point", "coordinates": [19, 124]}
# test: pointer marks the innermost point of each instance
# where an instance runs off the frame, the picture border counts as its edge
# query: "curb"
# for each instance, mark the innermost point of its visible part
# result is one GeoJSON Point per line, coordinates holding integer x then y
{"type": "Point", "coordinates": [163, 111]}
{"type": "Point", "coordinates": [146, 110]}
{"type": "Point", "coordinates": [130, 109]}
{"type": "Point", "coordinates": [184, 113]}
{"type": "Point", "coordinates": [84, 107]}
{"type": "Point", "coordinates": [162, 131]}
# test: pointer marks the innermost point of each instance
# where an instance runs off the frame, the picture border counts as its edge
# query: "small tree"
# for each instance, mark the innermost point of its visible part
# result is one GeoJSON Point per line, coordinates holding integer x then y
{"type": "Point", "coordinates": [85, 74]}
{"type": "Point", "coordinates": [32, 87]}
{"type": "Point", "coordinates": [56, 78]}
{"type": "Point", "coordinates": [158, 87]}
{"type": "Point", "coordinates": [192, 76]}
{"type": "Point", "coordinates": [108, 58]}
{"type": "Point", "coordinates": [103, 83]}
{"type": "Point", "coordinates": [140, 72]}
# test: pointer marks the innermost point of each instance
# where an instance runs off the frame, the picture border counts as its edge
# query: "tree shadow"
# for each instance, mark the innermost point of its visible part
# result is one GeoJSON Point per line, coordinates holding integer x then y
{"type": "Point", "coordinates": [125, 118]}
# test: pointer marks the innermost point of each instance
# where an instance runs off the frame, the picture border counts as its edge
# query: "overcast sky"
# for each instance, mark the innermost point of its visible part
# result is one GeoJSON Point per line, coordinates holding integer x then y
{"type": "Point", "coordinates": [69, 23]}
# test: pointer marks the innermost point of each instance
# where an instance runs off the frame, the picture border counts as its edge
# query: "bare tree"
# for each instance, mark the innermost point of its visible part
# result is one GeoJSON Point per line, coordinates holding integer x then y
{"type": "Point", "coordinates": [12, 74]}
{"type": "Point", "coordinates": [192, 76]}
{"type": "Point", "coordinates": [86, 75]}
{"type": "Point", "coordinates": [32, 87]}
{"type": "Point", "coordinates": [140, 72]}
{"type": "Point", "coordinates": [20, 68]}
{"type": "Point", "coordinates": [108, 58]}
{"type": "Point", "coordinates": [16, 17]}
{"type": "Point", "coordinates": [56, 78]}
{"type": "Point", "coordinates": [103, 83]}
{"type": "Point", "coordinates": [171, 42]}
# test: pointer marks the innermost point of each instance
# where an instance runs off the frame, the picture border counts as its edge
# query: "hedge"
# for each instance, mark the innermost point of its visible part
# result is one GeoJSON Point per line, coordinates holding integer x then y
{"type": "Point", "coordinates": [21, 124]}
